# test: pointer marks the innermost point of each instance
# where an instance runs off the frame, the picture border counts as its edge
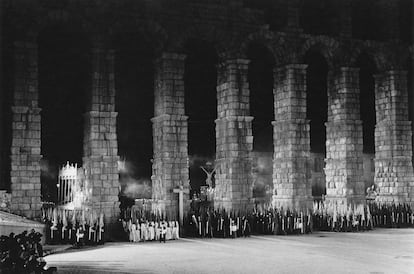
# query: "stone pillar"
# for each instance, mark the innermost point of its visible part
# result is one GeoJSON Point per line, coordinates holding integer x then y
{"type": "Point", "coordinates": [170, 164]}
{"type": "Point", "coordinates": [234, 140]}
{"type": "Point", "coordinates": [25, 148]}
{"type": "Point", "coordinates": [291, 139]}
{"type": "Point", "coordinates": [393, 144]}
{"type": "Point", "coordinates": [100, 138]}
{"type": "Point", "coordinates": [344, 143]}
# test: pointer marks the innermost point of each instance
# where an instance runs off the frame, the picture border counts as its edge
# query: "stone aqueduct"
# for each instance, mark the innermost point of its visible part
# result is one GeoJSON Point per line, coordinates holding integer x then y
{"type": "Point", "coordinates": [230, 26]}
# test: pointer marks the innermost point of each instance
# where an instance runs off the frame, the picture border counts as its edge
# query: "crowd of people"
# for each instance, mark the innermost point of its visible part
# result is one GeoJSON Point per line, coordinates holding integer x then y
{"type": "Point", "coordinates": [341, 218]}
{"type": "Point", "coordinates": [323, 217]}
{"type": "Point", "coordinates": [77, 227]}
{"type": "Point", "coordinates": [22, 253]}
{"type": "Point", "coordinates": [141, 225]}
{"type": "Point", "coordinates": [222, 224]}
{"type": "Point", "coordinates": [144, 230]}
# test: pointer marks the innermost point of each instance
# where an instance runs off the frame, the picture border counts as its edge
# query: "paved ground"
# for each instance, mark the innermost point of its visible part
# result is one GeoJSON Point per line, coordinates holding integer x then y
{"type": "Point", "coordinates": [378, 251]}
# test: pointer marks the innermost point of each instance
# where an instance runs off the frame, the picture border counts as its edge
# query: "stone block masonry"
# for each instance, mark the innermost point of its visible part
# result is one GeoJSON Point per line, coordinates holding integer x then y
{"type": "Point", "coordinates": [170, 130]}
{"type": "Point", "coordinates": [100, 138]}
{"type": "Point", "coordinates": [344, 142]}
{"type": "Point", "coordinates": [234, 140]}
{"type": "Point", "coordinates": [25, 148]}
{"type": "Point", "coordinates": [393, 144]}
{"type": "Point", "coordinates": [291, 140]}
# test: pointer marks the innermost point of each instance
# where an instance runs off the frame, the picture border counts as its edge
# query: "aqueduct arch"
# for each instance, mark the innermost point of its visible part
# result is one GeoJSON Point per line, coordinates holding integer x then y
{"type": "Point", "coordinates": [235, 27]}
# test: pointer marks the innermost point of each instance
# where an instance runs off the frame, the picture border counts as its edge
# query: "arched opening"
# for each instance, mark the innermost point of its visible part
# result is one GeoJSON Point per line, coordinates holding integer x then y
{"type": "Point", "coordinates": [410, 86]}
{"type": "Point", "coordinates": [134, 74]}
{"type": "Point", "coordinates": [317, 113]}
{"type": "Point", "coordinates": [260, 77]}
{"type": "Point", "coordinates": [200, 81]}
{"type": "Point", "coordinates": [63, 84]}
{"type": "Point", "coordinates": [6, 101]}
{"type": "Point", "coordinates": [367, 109]}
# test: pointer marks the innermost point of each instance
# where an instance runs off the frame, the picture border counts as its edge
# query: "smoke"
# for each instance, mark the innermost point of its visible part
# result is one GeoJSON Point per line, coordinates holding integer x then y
{"type": "Point", "coordinates": [125, 167]}
{"type": "Point", "coordinates": [262, 174]}
{"type": "Point", "coordinates": [199, 160]}
{"type": "Point", "coordinates": [131, 185]}
{"type": "Point", "coordinates": [137, 188]}
{"type": "Point", "coordinates": [48, 171]}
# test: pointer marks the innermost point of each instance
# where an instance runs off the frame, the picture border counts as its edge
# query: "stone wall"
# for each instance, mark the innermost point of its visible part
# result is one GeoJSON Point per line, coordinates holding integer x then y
{"type": "Point", "coordinates": [291, 140]}
{"type": "Point", "coordinates": [25, 149]}
{"type": "Point", "coordinates": [5, 201]}
{"type": "Point", "coordinates": [344, 170]}
{"type": "Point", "coordinates": [100, 159]}
{"type": "Point", "coordinates": [170, 130]}
{"type": "Point", "coordinates": [230, 27]}
{"type": "Point", "coordinates": [393, 146]}
{"type": "Point", "coordinates": [234, 140]}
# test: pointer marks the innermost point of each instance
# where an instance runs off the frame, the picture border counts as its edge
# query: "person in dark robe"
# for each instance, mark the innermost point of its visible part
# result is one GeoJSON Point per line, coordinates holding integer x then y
{"type": "Point", "coordinates": [163, 233]}
{"type": "Point", "coordinates": [246, 227]}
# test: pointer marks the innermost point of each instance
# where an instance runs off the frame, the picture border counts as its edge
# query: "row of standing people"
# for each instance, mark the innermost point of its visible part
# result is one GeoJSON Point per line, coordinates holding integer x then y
{"type": "Point", "coordinates": [342, 218]}
{"type": "Point", "coordinates": [392, 215]}
{"type": "Point", "coordinates": [141, 231]}
{"type": "Point", "coordinates": [230, 225]}
{"type": "Point", "coordinates": [74, 227]}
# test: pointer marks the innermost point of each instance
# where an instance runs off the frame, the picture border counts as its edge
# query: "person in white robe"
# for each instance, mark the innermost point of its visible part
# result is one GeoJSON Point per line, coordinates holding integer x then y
{"type": "Point", "coordinates": [151, 231]}
{"type": "Point", "coordinates": [133, 233]}
{"type": "Point", "coordinates": [147, 234]}
{"type": "Point", "coordinates": [137, 237]}
{"type": "Point", "coordinates": [177, 230]}
{"type": "Point", "coordinates": [130, 231]}
{"type": "Point", "coordinates": [157, 231]}
{"type": "Point", "coordinates": [168, 235]}
{"type": "Point", "coordinates": [174, 231]}
{"type": "Point", "coordinates": [143, 232]}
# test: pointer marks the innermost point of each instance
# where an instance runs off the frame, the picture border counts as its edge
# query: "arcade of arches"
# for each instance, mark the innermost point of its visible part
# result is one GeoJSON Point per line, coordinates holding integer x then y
{"type": "Point", "coordinates": [274, 104]}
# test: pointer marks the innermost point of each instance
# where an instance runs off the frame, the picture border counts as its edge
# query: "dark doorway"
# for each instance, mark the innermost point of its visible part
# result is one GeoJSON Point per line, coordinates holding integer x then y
{"type": "Point", "coordinates": [317, 100]}
{"type": "Point", "coordinates": [134, 76]}
{"type": "Point", "coordinates": [367, 70]}
{"type": "Point", "coordinates": [260, 77]}
{"type": "Point", "coordinates": [317, 113]}
{"type": "Point", "coordinates": [63, 84]}
{"type": "Point", "coordinates": [367, 101]}
{"type": "Point", "coordinates": [200, 81]}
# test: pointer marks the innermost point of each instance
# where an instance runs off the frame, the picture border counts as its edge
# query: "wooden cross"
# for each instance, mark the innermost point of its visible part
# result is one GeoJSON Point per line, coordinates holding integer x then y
{"type": "Point", "coordinates": [180, 190]}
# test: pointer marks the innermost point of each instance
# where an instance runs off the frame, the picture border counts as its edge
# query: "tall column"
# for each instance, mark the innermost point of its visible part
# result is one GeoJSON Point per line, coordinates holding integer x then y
{"type": "Point", "coordinates": [393, 144]}
{"type": "Point", "coordinates": [100, 138]}
{"type": "Point", "coordinates": [234, 140]}
{"type": "Point", "coordinates": [170, 164]}
{"type": "Point", "coordinates": [25, 148]}
{"type": "Point", "coordinates": [291, 139]}
{"type": "Point", "coordinates": [344, 143]}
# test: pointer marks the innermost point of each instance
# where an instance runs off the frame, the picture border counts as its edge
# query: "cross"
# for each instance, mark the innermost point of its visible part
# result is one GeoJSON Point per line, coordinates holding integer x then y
{"type": "Point", "coordinates": [180, 190]}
